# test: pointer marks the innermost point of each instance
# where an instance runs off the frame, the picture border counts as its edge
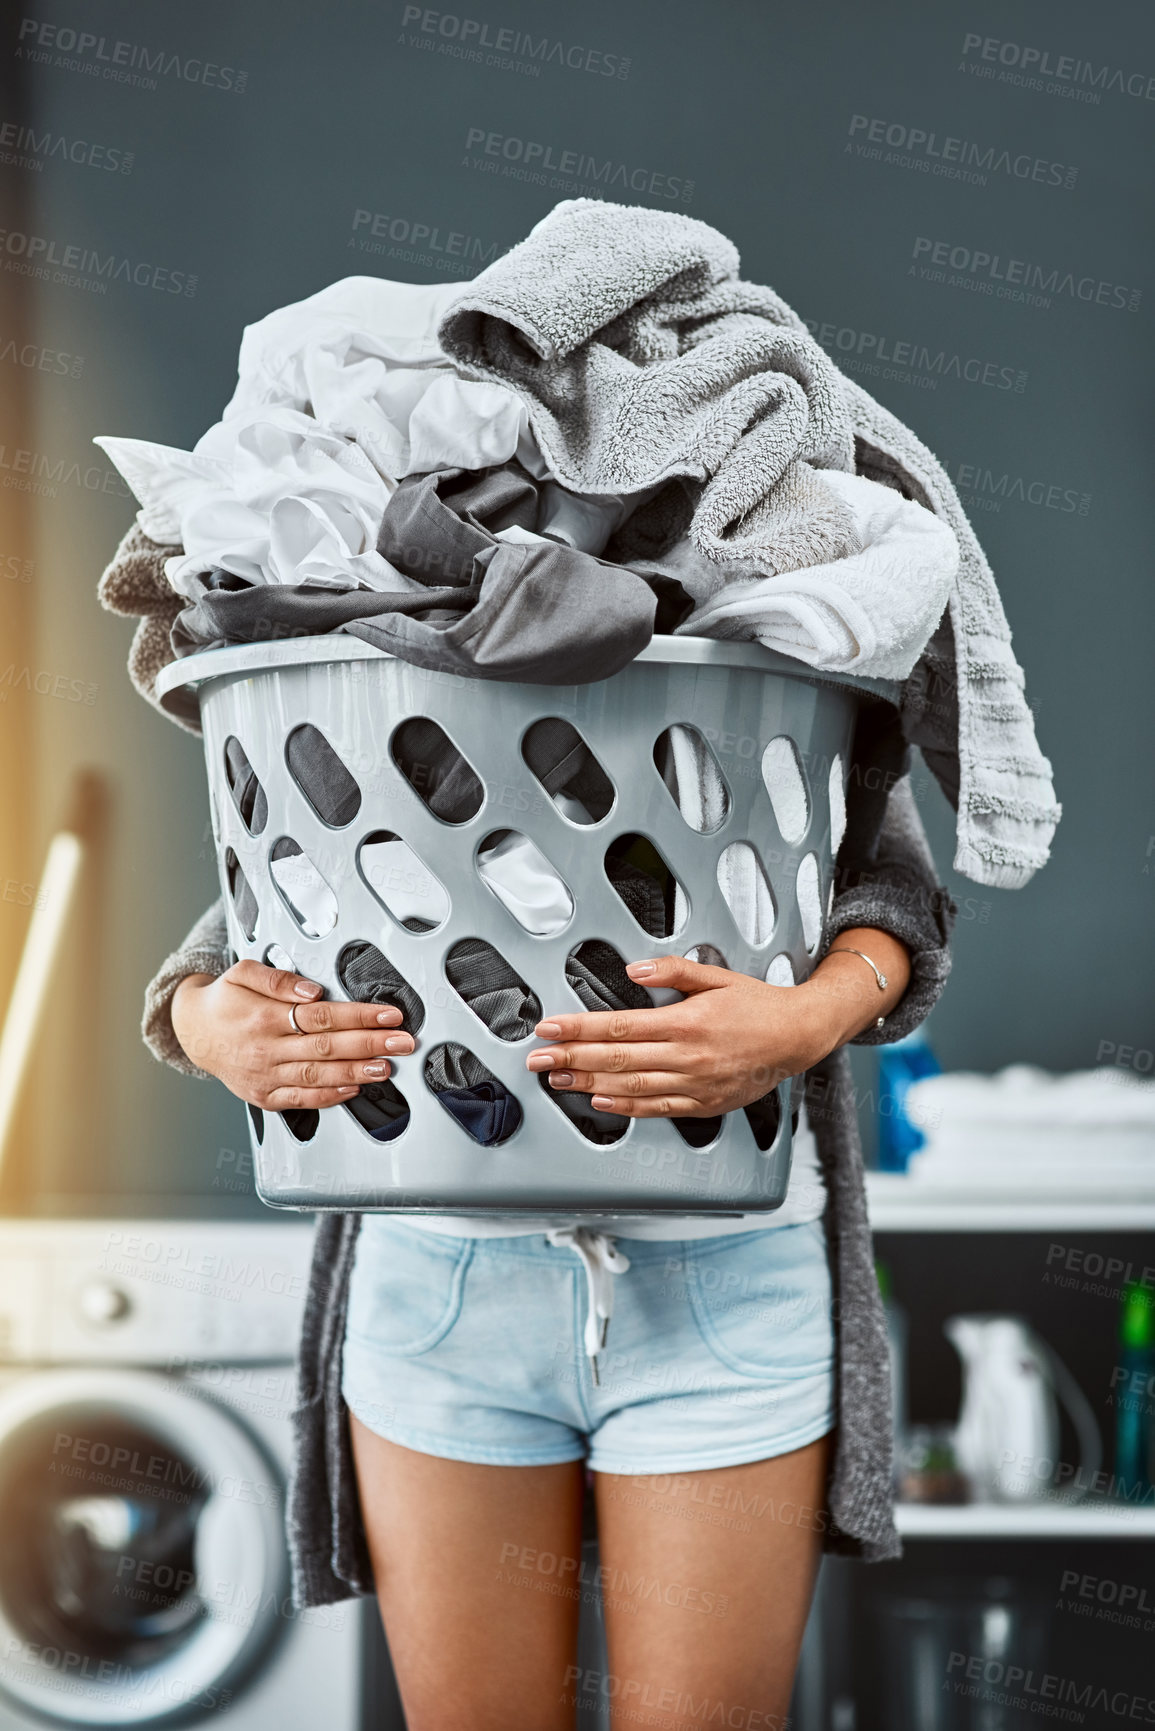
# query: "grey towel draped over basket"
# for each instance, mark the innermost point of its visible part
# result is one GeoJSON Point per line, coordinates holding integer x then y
{"type": "Point", "coordinates": [322, 749]}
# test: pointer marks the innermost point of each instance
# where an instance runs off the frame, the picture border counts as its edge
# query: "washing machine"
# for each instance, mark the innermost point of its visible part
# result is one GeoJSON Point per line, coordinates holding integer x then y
{"type": "Point", "coordinates": [146, 1385]}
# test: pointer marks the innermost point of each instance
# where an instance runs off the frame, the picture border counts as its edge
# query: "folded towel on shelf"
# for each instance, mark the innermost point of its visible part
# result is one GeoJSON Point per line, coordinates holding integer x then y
{"type": "Point", "coordinates": [1025, 1127]}
{"type": "Point", "coordinates": [643, 359]}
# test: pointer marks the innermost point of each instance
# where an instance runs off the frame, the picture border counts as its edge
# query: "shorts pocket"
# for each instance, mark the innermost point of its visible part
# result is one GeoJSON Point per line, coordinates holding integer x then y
{"type": "Point", "coordinates": [762, 1300]}
{"type": "Point", "coordinates": [406, 1289]}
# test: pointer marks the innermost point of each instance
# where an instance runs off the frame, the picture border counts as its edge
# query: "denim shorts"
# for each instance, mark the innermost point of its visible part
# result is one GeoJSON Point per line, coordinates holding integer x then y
{"type": "Point", "coordinates": [720, 1350]}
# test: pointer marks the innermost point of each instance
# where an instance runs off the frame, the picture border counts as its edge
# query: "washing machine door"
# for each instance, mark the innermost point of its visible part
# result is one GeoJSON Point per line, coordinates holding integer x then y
{"type": "Point", "coordinates": [142, 1562]}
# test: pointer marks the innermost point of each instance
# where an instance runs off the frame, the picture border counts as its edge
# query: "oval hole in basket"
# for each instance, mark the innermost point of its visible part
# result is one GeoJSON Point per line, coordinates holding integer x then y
{"type": "Point", "coordinates": [369, 977]}
{"type": "Point", "coordinates": [646, 885]}
{"type": "Point", "coordinates": [809, 901]}
{"type": "Point", "coordinates": [471, 1094]}
{"type": "Point", "coordinates": [248, 794]}
{"type": "Point", "coordinates": [402, 882]}
{"type": "Point", "coordinates": [746, 890]}
{"type": "Point", "coordinates": [786, 785]}
{"type": "Point", "coordinates": [436, 770]}
{"type": "Point", "coordinates": [258, 1118]}
{"type": "Point", "coordinates": [780, 971]}
{"type": "Point", "coordinates": [837, 789]}
{"type": "Point", "coordinates": [301, 1122]}
{"type": "Point", "coordinates": [524, 882]}
{"type": "Point", "coordinates": [601, 1128]}
{"type": "Point", "coordinates": [276, 957]}
{"type": "Point", "coordinates": [698, 1132]}
{"type": "Point", "coordinates": [706, 956]}
{"type": "Point", "coordinates": [568, 770]}
{"type": "Point", "coordinates": [381, 1109]}
{"type": "Point", "coordinates": [765, 1119]}
{"type": "Point", "coordinates": [241, 891]}
{"type": "Point", "coordinates": [493, 990]}
{"type": "Point", "coordinates": [321, 776]}
{"type": "Point", "coordinates": [693, 776]}
{"type": "Point", "coordinates": [303, 890]}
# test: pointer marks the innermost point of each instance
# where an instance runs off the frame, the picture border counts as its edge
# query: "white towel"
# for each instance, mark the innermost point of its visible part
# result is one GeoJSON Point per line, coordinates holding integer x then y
{"type": "Point", "coordinates": [871, 612]}
{"type": "Point", "coordinates": [1026, 1127]}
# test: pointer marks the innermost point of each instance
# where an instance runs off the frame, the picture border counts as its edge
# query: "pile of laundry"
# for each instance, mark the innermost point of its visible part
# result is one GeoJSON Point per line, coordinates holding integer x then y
{"type": "Point", "coordinates": [358, 482]}
{"type": "Point", "coordinates": [607, 433]}
{"type": "Point", "coordinates": [1025, 1129]}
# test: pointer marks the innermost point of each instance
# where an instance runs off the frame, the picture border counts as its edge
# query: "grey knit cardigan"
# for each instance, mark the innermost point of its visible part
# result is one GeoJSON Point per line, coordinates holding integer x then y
{"type": "Point", "coordinates": [885, 877]}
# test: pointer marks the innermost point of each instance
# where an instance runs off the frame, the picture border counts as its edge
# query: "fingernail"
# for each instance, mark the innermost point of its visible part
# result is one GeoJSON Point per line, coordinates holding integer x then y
{"type": "Point", "coordinates": [601, 1103]}
{"type": "Point", "coordinates": [548, 1030]}
{"type": "Point", "coordinates": [376, 1069]}
{"type": "Point", "coordinates": [348, 1090]}
{"type": "Point", "coordinates": [389, 1015]}
{"type": "Point", "coordinates": [306, 989]}
{"type": "Point", "coordinates": [561, 1078]}
{"type": "Point", "coordinates": [639, 970]}
{"type": "Point", "coordinates": [540, 1061]}
{"type": "Point", "coordinates": [398, 1042]}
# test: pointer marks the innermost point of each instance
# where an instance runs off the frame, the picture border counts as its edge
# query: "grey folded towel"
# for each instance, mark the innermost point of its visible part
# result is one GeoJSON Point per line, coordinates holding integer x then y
{"type": "Point", "coordinates": [643, 359]}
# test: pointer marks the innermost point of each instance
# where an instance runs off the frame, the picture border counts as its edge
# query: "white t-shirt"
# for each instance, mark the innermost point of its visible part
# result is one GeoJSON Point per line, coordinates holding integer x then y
{"type": "Point", "coordinates": [805, 1200]}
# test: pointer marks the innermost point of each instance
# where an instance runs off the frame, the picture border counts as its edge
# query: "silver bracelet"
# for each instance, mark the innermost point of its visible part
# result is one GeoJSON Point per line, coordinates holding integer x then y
{"type": "Point", "coordinates": [847, 950]}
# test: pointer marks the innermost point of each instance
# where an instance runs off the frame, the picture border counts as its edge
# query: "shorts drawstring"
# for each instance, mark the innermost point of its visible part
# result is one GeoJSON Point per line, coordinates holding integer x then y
{"type": "Point", "coordinates": [601, 1259]}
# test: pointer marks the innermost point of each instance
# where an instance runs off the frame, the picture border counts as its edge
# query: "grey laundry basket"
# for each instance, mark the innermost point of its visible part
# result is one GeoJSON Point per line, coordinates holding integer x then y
{"type": "Point", "coordinates": [771, 727]}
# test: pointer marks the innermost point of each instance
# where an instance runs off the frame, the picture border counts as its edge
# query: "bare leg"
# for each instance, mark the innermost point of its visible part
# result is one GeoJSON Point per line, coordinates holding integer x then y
{"type": "Point", "coordinates": [477, 1577]}
{"type": "Point", "coordinates": [707, 1579]}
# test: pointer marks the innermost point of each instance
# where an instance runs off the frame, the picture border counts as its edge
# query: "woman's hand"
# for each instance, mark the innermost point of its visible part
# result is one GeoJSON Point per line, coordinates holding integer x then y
{"type": "Point", "coordinates": [730, 1040]}
{"type": "Point", "coordinates": [236, 1026]}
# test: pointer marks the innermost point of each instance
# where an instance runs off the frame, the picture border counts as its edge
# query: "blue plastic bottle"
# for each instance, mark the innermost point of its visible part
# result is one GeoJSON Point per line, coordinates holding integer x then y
{"type": "Point", "coordinates": [899, 1065]}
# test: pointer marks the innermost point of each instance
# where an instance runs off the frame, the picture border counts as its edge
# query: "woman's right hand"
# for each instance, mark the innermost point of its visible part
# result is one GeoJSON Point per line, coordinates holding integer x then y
{"type": "Point", "coordinates": [236, 1026]}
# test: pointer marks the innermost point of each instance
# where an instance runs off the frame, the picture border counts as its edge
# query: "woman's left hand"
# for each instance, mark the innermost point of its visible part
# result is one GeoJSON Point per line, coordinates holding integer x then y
{"type": "Point", "coordinates": [729, 1041]}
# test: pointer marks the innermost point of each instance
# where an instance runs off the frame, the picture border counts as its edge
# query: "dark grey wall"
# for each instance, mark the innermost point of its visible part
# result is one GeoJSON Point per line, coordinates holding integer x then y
{"type": "Point", "coordinates": [743, 115]}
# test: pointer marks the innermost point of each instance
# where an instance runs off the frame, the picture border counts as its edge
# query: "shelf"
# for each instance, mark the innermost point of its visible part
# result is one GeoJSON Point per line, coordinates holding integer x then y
{"type": "Point", "coordinates": [1096, 1520]}
{"type": "Point", "coordinates": [900, 1204]}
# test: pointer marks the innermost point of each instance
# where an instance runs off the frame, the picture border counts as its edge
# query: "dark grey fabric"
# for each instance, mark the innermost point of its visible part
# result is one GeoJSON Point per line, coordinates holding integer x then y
{"type": "Point", "coordinates": [321, 776]}
{"type": "Point", "coordinates": [371, 978]}
{"type": "Point", "coordinates": [453, 1065]}
{"type": "Point", "coordinates": [486, 608]}
{"type": "Point", "coordinates": [436, 770]}
{"type": "Point", "coordinates": [246, 789]}
{"type": "Point", "coordinates": [494, 991]}
{"type": "Point", "coordinates": [564, 763]}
